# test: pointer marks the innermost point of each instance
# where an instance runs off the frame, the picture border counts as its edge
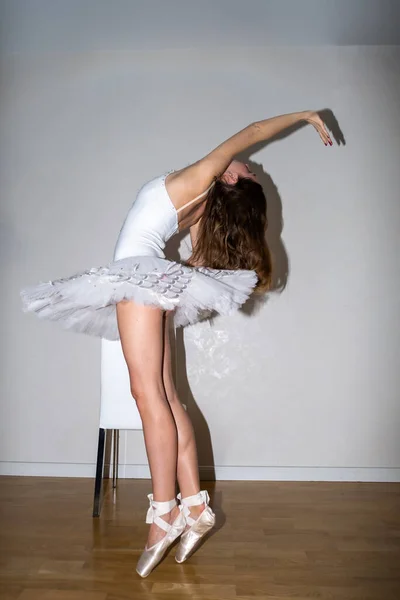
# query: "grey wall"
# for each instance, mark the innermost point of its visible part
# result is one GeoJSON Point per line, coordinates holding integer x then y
{"type": "Point", "coordinates": [305, 386]}
{"type": "Point", "coordinates": [38, 26]}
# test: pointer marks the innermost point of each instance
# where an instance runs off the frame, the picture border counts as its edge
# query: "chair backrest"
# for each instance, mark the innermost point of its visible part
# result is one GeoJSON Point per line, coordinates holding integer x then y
{"type": "Point", "coordinates": [118, 408]}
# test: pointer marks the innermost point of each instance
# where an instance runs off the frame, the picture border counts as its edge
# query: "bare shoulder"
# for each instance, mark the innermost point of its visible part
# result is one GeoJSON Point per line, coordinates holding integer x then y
{"type": "Point", "coordinates": [189, 182]}
{"type": "Point", "coordinates": [185, 184]}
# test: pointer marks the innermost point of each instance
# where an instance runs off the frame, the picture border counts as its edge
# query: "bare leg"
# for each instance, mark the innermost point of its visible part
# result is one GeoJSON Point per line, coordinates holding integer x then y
{"type": "Point", "coordinates": [187, 464]}
{"type": "Point", "coordinates": [141, 331]}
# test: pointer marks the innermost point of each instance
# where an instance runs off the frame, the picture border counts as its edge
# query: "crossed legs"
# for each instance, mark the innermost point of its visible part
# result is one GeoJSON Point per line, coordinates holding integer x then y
{"type": "Point", "coordinates": [167, 428]}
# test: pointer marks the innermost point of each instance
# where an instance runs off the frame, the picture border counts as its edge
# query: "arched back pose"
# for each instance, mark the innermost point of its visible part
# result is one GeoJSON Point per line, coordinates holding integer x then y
{"type": "Point", "coordinates": [221, 202]}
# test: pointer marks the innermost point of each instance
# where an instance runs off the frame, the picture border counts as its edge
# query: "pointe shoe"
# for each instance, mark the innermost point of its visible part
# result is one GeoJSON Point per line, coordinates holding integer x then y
{"type": "Point", "coordinates": [150, 557]}
{"type": "Point", "coordinates": [198, 527]}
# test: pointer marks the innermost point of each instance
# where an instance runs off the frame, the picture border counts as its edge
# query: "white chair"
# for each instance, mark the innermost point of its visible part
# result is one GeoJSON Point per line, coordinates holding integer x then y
{"type": "Point", "coordinates": [118, 409]}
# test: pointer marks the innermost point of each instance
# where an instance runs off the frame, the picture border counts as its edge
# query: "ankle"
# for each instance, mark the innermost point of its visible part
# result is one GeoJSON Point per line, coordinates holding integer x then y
{"type": "Point", "coordinates": [170, 516]}
{"type": "Point", "coordinates": [195, 511]}
{"type": "Point", "coordinates": [197, 508]}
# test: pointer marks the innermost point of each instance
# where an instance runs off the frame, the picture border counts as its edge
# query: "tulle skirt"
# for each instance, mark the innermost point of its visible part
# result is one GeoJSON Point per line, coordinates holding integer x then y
{"type": "Point", "coordinates": [86, 302]}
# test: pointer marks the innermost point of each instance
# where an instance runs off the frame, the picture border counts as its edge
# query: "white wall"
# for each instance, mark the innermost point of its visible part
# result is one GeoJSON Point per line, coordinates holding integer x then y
{"type": "Point", "coordinates": [304, 388]}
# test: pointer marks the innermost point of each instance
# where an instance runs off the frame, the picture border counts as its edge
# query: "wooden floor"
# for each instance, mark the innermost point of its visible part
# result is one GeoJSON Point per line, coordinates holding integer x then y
{"type": "Point", "coordinates": [273, 540]}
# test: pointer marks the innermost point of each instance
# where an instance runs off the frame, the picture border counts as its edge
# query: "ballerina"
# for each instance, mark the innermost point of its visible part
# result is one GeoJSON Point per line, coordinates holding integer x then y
{"type": "Point", "coordinates": [132, 299]}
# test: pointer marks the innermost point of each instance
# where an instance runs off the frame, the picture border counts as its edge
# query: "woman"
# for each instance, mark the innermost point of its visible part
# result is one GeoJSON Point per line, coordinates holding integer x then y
{"type": "Point", "coordinates": [221, 202]}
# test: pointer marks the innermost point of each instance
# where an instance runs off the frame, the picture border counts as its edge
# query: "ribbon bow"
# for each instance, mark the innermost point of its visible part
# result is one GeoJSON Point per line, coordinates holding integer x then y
{"type": "Point", "coordinates": [202, 496]}
{"type": "Point", "coordinates": [157, 509]}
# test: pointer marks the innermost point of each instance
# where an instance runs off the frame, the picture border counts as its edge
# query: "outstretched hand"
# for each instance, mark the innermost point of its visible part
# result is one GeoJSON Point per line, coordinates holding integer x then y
{"type": "Point", "coordinates": [315, 120]}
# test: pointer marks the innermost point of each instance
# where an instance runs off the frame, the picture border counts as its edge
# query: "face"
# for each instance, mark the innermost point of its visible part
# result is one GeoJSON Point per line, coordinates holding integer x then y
{"type": "Point", "coordinates": [238, 169]}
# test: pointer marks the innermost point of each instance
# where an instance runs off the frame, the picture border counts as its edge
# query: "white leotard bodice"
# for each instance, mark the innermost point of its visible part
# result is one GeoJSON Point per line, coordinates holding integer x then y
{"type": "Point", "coordinates": [151, 221]}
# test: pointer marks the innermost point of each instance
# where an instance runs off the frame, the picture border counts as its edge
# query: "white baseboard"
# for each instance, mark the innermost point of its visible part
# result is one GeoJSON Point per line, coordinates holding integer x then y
{"type": "Point", "coordinates": [220, 473]}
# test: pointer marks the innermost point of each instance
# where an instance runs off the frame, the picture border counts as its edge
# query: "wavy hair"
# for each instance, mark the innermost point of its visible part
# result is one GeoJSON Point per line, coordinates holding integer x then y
{"type": "Point", "coordinates": [232, 230]}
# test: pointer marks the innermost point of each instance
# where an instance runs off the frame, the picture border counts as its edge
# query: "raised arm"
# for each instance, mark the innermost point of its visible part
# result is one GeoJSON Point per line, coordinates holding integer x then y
{"type": "Point", "coordinates": [219, 159]}
{"type": "Point", "coordinates": [197, 177]}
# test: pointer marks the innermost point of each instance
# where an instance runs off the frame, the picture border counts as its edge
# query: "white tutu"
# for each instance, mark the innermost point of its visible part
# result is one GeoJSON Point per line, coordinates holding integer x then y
{"type": "Point", "coordinates": [85, 302]}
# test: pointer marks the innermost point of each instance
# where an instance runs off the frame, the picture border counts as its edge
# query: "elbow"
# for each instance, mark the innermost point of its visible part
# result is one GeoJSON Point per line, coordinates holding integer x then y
{"type": "Point", "coordinates": [255, 130]}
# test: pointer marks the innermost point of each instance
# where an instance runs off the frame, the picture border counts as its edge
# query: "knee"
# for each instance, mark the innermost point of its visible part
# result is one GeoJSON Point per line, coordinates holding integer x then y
{"type": "Point", "coordinates": [137, 391]}
{"type": "Point", "coordinates": [146, 393]}
{"type": "Point", "coordinates": [138, 388]}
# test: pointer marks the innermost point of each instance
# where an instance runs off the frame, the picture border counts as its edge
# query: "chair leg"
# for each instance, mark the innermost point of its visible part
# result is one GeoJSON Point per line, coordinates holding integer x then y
{"type": "Point", "coordinates": [115, 456]}
{"type": "Point", "coordinates": [99, 473]}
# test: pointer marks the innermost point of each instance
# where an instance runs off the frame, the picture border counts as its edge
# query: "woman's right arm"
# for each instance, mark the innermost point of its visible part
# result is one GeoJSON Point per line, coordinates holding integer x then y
{"type": "Point", "coordinates": [194, 179]}
{"type": "Point", "coordinates": [260, 131]}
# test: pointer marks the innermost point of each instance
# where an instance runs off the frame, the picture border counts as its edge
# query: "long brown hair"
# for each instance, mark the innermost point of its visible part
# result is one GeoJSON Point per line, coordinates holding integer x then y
{"type": "Point", "coordinates": [232, 229]}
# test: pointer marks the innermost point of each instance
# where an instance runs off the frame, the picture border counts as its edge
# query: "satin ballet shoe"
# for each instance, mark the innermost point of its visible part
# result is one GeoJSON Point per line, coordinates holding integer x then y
{"type": "Point", "coordinates": [190, 539]}
{"type": "Point", "coordinates": [150, 557]}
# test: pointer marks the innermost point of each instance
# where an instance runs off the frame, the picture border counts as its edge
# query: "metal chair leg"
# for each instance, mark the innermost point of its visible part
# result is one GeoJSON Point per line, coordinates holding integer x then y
{"type": "Point", "coordinates": [115, 456]}
{"type": "Point", "coordinates": [99, 474]}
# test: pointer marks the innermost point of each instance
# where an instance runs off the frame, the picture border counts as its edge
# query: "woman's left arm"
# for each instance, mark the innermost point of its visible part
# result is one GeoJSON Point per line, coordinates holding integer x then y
{"type": "Point", "coordinates": [194, 232]}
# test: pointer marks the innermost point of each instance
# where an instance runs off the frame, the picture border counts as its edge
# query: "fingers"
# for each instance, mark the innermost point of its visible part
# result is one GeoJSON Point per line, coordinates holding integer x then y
{"type": "Point", "coordinates": [323, 132]}
{"type": "Point", "coordinates": [327, 137]}
{"type": "Point", "coordinates": [320, 127]}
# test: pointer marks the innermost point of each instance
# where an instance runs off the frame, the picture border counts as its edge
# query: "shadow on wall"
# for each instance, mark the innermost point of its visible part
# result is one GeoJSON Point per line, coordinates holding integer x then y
{"type": "Point", "coordinates": [252, 306]}
{"type": "Point", "coordinates": [280, 258]}
{"type": "Point", "coordinates": [280, 277]}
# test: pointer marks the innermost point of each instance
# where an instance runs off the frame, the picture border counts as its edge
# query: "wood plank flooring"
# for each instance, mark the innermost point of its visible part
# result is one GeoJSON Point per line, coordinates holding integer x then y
{"type": "Point", "coordinates": [273, 540]}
